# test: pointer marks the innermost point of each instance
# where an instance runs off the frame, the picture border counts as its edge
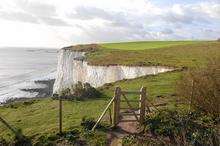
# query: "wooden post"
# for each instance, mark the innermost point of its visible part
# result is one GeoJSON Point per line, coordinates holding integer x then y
{"type": "Point", "coordinates": [116, 106]}
{"type": "Point", "coordinates": [142, 104]}
{"type": "Point", "coordinates": [110, 116]}
{"type": "Point", "coordinates": [192, 95]}
{"type": "Point", "coordinates": [60, 114]}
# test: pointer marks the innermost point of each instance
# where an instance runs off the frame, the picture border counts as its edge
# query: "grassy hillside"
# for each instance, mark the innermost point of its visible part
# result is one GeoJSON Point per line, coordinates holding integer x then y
{"type": "Point", "coordinates": [146, 45]}
{"type": "Point", "coordinates": [40, 116]}
{"type": "Point", "coordinates": [190, 55]}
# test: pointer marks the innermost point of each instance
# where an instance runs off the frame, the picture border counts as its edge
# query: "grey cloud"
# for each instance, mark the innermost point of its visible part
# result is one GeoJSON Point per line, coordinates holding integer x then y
{"type": "Point", "coordinates": [115, 19]}
{"type": "Point", "coordinates": [167, 31]}
{"type": "Point", "coordinates": [18, 16]}
{"type": "Point", "coordinates": [27, 17]}
{"type": "Point", "coordinates": [118, 26]}
{"type": "Point", "coordinates": [190, 14]}
{"type": "Point", "coordinates": [87, 13]}
{"type": "Point", "coordinates": [34, 12]}
{"type": "Point", "coordinates": [36, 8]}
{"type": "Point", "coordinates": [175, 18]}
{"type": "Point", "coordinates": [53, 21]}
{"type": "Point", "coordinates": [170, 24]}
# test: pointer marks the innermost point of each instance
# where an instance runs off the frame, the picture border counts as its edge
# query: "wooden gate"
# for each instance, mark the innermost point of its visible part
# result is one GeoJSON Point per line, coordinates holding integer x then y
{"type": "Point", "coordinates": [121, 97]}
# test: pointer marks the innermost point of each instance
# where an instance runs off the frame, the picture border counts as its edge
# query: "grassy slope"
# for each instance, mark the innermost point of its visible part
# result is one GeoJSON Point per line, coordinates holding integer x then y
{"type": "Point", "coordinates": [145, 45]}
{"type": "Point", "coordinates": [191, 55]}
{"type": "Point", "coordinates": [41, 116]}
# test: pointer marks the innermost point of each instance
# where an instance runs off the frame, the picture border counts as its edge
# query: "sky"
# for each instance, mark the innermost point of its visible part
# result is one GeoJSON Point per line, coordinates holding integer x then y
{"type": "Point", "coordinates": [59, 23]}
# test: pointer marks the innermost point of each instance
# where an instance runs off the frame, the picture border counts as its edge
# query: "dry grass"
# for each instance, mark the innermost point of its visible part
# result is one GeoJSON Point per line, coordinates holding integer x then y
{"type": "Point", "coordinates": [201, 87]}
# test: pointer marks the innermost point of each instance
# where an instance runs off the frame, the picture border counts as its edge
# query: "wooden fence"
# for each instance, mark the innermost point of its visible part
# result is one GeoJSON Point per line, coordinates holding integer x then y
{"type": "Point", "coordinates": [116, 101]}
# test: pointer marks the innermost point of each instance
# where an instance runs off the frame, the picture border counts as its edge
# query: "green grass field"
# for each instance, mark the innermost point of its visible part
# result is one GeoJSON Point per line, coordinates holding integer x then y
{"type": "Point", "coordinates": [41, 116]}
{"type": "Point", "coordinates": [190, 55]}
{"type": "Point", "coordinates": [146, 45]}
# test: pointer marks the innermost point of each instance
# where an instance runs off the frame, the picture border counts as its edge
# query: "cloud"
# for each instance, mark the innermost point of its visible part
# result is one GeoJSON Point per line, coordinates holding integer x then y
{"type": "Point", "coordinates": [167, 31]}
{"type": "Point", "coordinates": [18, 16]}
{"type": "Point", "coordinates": [53, 21]}
{"type": "Point", "coordinates": [34, 12]}
{"type": "Point", "coordinates": [110, 18]}
{"type": "Point", "coordinates": [98, 20]}
{"type": "Point", "coordinates": [178, 21]}
{"type": "Point", "coordinates": [88, 13]}
{"type": "Point", "coordinates": [37, 8]}
{"type": "Point", "coordinates": [188, 14]}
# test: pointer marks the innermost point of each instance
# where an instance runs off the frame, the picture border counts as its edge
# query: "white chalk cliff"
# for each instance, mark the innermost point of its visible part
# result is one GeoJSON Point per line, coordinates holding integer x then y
{"type": "Point", "coordinates": [71, 69]}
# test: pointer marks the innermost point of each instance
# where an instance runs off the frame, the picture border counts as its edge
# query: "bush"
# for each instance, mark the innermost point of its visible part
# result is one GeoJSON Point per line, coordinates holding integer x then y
{"type": "Point", "coordinates": [80, 91]}
{"type": "Point", "coordinates": [184, 128]}
{"type": "Point", "coordinates": [88, 124]}
{"type": "Point", "coordinates": [201, 88]}
{"type": "Point", "coordinates": [136, 140]}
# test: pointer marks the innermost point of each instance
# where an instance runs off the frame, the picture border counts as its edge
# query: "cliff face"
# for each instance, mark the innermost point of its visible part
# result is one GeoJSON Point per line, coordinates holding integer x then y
{"type": "Point", "coordinates": [71, 69]}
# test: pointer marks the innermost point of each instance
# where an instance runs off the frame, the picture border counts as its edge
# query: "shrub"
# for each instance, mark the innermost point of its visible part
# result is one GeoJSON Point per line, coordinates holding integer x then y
{"type": "Point", "coordinates": [136, 140]}
{"type": "Point", "coordinates": [182, 128]}
{"type": "Point", "coordinates": [88, 124]}
{"type": "Point", "coordinates": [201, 87]}
{"type": "Point", "coordinates": [80, 91]}
{"type": "Point", "coordinates": [3, 142]}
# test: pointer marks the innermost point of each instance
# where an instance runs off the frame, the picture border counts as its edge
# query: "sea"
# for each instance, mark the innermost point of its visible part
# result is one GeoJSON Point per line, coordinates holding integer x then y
{"type": "Point", "coordinates": [21, 67]}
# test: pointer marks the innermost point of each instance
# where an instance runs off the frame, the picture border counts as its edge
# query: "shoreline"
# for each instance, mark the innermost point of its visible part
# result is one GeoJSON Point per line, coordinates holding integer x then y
{"type": "Point", "coordinates": [43, 92]}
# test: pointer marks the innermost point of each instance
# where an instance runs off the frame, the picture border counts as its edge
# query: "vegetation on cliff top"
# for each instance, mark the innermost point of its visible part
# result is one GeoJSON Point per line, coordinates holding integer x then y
{"type": "Point", "coordinates": [144, 45]}
{"type": "Point", "coordinates": [39, 117]}
{"type": "Point", "coordinates": [190, 55]}
{"type": "Point", "coordinates": [152, 53]}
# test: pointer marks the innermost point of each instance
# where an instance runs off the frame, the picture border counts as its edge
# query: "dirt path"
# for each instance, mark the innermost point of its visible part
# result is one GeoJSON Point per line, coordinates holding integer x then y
{"type": "Point", "coordinates": [123, 129]}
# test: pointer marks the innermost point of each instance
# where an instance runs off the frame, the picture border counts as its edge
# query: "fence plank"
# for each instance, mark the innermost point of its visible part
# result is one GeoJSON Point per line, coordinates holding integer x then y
{"type": "Point", "coordinates": [110, 116]}
{"type": "Point", "coordinates": [142, 104]}
{"type": "Point", "coordinates": [116, 106]}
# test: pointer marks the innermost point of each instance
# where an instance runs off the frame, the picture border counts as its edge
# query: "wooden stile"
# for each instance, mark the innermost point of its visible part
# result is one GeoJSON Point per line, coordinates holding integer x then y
{"type": "Point", "coordinates": [114, 116]}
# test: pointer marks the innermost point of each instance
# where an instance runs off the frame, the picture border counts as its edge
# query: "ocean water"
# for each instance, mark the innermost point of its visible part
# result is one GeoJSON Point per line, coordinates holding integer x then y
{"type": "Point", "coordinates": [20, 67]}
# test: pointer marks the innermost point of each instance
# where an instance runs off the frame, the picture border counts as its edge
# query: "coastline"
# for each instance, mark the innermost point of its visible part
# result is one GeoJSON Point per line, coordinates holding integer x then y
{"type": "Point", "coordinates": [47, 91]}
